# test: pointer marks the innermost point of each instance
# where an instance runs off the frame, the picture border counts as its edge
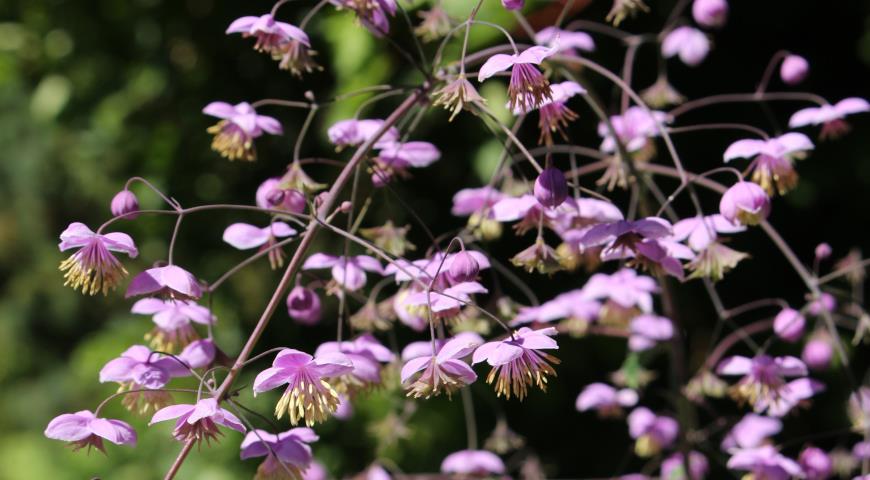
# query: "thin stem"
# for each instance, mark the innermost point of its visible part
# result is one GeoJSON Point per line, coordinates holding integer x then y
{"type": "Point", "coordinates": [312, 12]}
{"type": "Point", "coordinates": [281, 103]}
{"type": "Point", "coordinates": [470, 418]}
{"type": "Point", "coordinates": [174, 237]}
{"type": "Point", "coordinates": [179, 460]}
{"type": "Point", "coordinates": [304, 130]}
{"type": "Point", "coordinates": [768, 72]}
{"type": "Point", "coordinates": [244, 263]}
{"type": "Point", "coordinates": [719, 126]}
{"type": "Point", "coordinates": [746, 97]}
{"type": "Point", "coordinates": [734, 337]}
{"type": "Point", "coordinates": [467, 34]}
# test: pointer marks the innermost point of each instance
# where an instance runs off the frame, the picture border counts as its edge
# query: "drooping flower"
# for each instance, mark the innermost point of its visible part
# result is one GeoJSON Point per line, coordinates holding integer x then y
{"type": "Point", "coordinates": [818, 351]}
{"type": "Point", "coordinates": [710, 13]}
{"type": "Point", "coordinates": [348, 272]}
{"type": "Point", "coordinates": [551, 187]}
{"type": "Point", "coordinates": [773, 159]}
{"type": "Point", "coordinates": [538, 257]}
{"type": "Point", "coordinates": [745, 203]}
{"type": "Point", "coordinates": [765, 462]}
{"type": "Point", "coordinates": [435, 23]}
{"type": "Point", "coordinates": [690, 44]}
{"type": "Point", "coordinates": [93, 268]}
{"type": "Point", "coordinates": [125, 203]}
{"type": "Point", "coordinates": [794, 69]}
{"type": "Point", "coordinates": [303, 305]}
{"type": "Point", "coordinates": [792, 394]}
{"type": "Point", "coordinates": [763, 383]}
{"type": "Point", "coordinates": [859, 409]}
{"type": "Point", "coordinates": [244, 236]}
{"type": "Point", "coordinates": [647, 330]}
{"type": "Point", "coordinates": [674, 467]}
{"type": "Point", "coordinates": [271, 34]}
{"type": "Point", "coordinates": [652, 433]}
{"type": "Point", "coordinates": [750, 432]}
{"type": "Point", "coordinates": [372, 14]}
{"type": "Point", "coordinates": [173, 321]}
{"type": "Point", "coordinates": [625, 294]}
{"type": "Point", "coordinates": [815, 463]}
{"type": "Point", "coordinates": [634, 129]}
{"type": "Point", "coordinates": [565, 41]}
{"type": "Point", "coordinates": [476, 463]}
{"type": "Point", "coordinates": [297, 57]}
{"type": "Point", "coordinates": [448, 302]}
{"type": "Point", "coordinates": [553, 113]}
{"type": "Point", "coordinates": [365, 354]}
{"type": "Point", "coordinates": [456, 95]}
{"type": "Point", "coordinates": [662, 94]}
{"type": "Point", "coordinates": [288, 455]}
{"type": "Point", "coordinates": [441, 372]}
{"type": "Point", "coordinates": [198, 422]}
{"type": "Point", "coordinates": [623, 9]}
{"type": "Point", "coordinates": [528, 88]}
{"type": "Point", "coordinates": [831, 117]}
{"type": "Point", "coordinates": [789, 325]}
{"type": "Point", "coordinates": [605, 400]}
{"type": "Point", "coordinates": [170, 281]}
{"type": "Point", "coordinates": [239, 126]}
{"type": "Point", "coordinates": [352, 133]}
{"type": "Point", "coordinates": [826, 303]}
{"type": "Point", "coordinates": [396, 158]}
{"type": "Point", "coordinates": [701, 231]}
{"type": "Point", "coordinates": [463, 268]}
{"type": "Point", "coordinates": [575, 306]}
{"type": "Point", "coordinates": [308, 396]}
{"type": "Point", "coordinates": [83, 429]}
{"type": "Point", "coordinates": [517, 362]}
{"type": "Point", "coordinates": [640, 239]}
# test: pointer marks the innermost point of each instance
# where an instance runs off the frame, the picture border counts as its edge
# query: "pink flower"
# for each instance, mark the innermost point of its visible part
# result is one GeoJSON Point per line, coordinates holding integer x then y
{"type": "Point", "coordinates": [710, 13]}
{"type": "Point", "coordinates": [173, 321]}
{"type": "Point", "coordinates": [244, 236]}
{"type": "Point", "coordinates": [816, 464]}
{"type": "Point", "coordinates": [271, 35]}
{"type": "Point", "coordinates": [551, 187]}
{"type": "Point", "coordinates": [652, 433]}
{"type": "Point", "coordinates": [273, 194]}
{"type": "Point", "coordinates": [517, 362]}
{"type": "Point", "coordinates": [349, 272]}
{"type": "Point", "coordinates": [750, 432]}
{"type": "Point", "coordinates": [528, 88]}
{"type": "Point", "coordinates": [553, 113]}
{"type": "Point", "coordinates": [447, 302]}
{"type": "Point", "coordinates": [353, 132]}
{"type": "Point", "coordinates": [829, 116]}
{"type": "Point", "coordinates": [473, 200]}
{"type": "Point", "coordinates": [171, 281]}
{"type": "Point", "coordinates": [690, 44]}
{"type": "Point", "coordinates": [701, 231]}
{"type": "Point", "coordinates": [565, 41]}
{"type": "Point", "coordinates": [287, 453]}
{"type": "Point", "coordinates": [473, 462]}
{"type": "Point", "coordinates": [640, 239]}
{"type": "Point", "coordinates": [198, 422]}
{"type": "Point", "coordinates": [239, 126]}
{"type": "Point", "coordinates": [125, 203]}
{"type": "Point", "coordinates": [647, 330]}
{"type": "Point", "coordinates": [765, 462]}
{"type": "Point", "coordinates": [425, 269]}
{"type": "Point", "coordinates": [574, 304]}
{"type": "Point", "coordinates": [673, 467]}
{"type": "Point", "coordinates": [745, 203]}
{"type": "Point", "coordinates": [303, 305]}
{"type": "Point", "coordinates": [789, 325]}
{"type": "Point", "coordinates": [634, 128]}
{"type": "Point", "coordinates": [83, 429]}
{"type": "Point", "coordinates": [365, 354]}
{"type": "Point", "coordinates": [441, 372]}
{"type": "Point", "coordinates": [818, 351]}
{"type": "Point", "coordinates": [605, 400]}
{"type": "Point", "coordinates": [308, 396]}
{"type": "Point", "coordinates": [463, 268]}
{"type": "Point", "coordinates": [790, 396]}
{"type": "Point", "coordinates": [513, 4]}
{"type": "Point", "coordinates": [763, 383]}
{"type": "Point", "coordinates": [372, 14]}
{"type": "Point", "coordinates": [794, 69]}
{"type": "Point", "coordinates": [396, 158]}
{"type": "Point", "coordinates": [773, 159]}
{"type": "Point", "coordinates": [93, 268]}
{"type": "Point", "coordinates": [625, 288]}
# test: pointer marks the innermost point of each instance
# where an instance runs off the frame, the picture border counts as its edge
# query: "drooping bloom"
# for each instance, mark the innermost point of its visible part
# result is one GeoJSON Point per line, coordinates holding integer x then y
{"type": "Point", "coordinates": [435, 23]}
{"type": "Point", "coordinates": [444, 372]}
{"type": "Point", "coordinates": [303, 305]}
{"type": "Point", "coordinates": [674, 467]}
{"type": "Point", "coordinates": [634, 129]}
{"type": "Point", "coordinates": [366, 354]}
{"type": "Point", "coordinates": [517, 362]}
{"type": "Point", "coordinates": [763, 383]}
{"type": "Point", "coordinates": [83, 429]}
{"type": "Point", "coordinates": [125, 203]}
{"type": "Point", "coordinates": [652, 433]}
{"type": "Point", "coordinates": [372, 14]}
{"type": "Point", "coordinates": [551, 187]}
{"type": "Point", "coordinates": [271, 34]}
{"type": "Point", "coordinates": [353, 132]}
{"type": "Point", "coordinates": [794, 69]}
{"type": "Point", "coordinates": [792, 394]}
{"type": "Point", "coordinates": [396, 158]}
{"type": "Point", "coordinates": [308, 396]}
{"type": "Point", "coordinates": [288, 454]}
{"type": "Point", "coordinates": [701, 231]}
{"type": "Point", "coordinates": [623, 9]}
{"type": "Point", "coordinates": [710, 13]}
{"type": "Point", "coordinates": [173, 321]}
{"type": "Point", "coordinates": [553, 113]}
{"type": "Point", "coordinates": [640, 239]}
{"type": "Point", "coordinates": [751, 432]}
{"type": "Point", "coordinates": [745, 203]}
{"type": "Point", "coordinates": [765, 462]}
{"type": "Point", "coordinates": [661, 94]}
{"type": "Point", "coordinates": [93, 268]}
{"type": "Point", "coordinates": [463, 268]}
{"type": "Point", "coordinates": [605, 400]}
{"type": "Point", "coordinates": [348, 272]}
{"type": "Point", "coordinates": [831, 117]}
{"type": "Point", "coordinates": [574, 305]}
{"type": "Point", "coordinates": [538, 257]}
{"type": "Point", "coordinates": [198, 422]}
{"type": "Point", "coordinates": [625, 294]}
{"type": "Point", "coordinates": [528, 88]}
{"type": "Point", "coordinates": [239, 126]}
{"type": "Point", "coordinates": [690, 44]}
{"type": "Point", "coordinates": [478, 463]}
{"type": "Point", "coordinates": [818, 351]}
{"type": "Point", "coordinates": [773, 159]}
{"type": "Point", "coordinates": [789, 325]}
{"type": "Point", "coordinates": [816, 464]}
{"type": "Point", "coordinates": [859, 409]}
{"type": "Point", "coordinates": [565, 41]}
{"type": "Point", "coordinates": [456, 95]}
{"type": "Point", "coordinates": [244, 236]}
{"type": "Point", "coordinates": [647, 330]}
{"type": "Point", "coordinates": [170, 281]}
{"type": "Point", "coordinates": [448, 302]}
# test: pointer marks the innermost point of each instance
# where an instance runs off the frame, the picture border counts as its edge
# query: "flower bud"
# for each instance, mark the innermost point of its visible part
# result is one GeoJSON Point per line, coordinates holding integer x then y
{"type": "Point", "coordinates": [817, 465]}
{"type": "Point", "coordinates": [745, 203]}
{"type": "Point", "coordinates": [789, 325]}
{"type": "Point", "coordinates": [794, 69]}
{"type": "Point", "coordinates": [303, 305]}
{"type": "Point", "coordinates": [464, 268]}
{"type": "Point", "coordinates": [823, 251]}
{"type": "Point", "coordinates": [818, 352]}
{"type": "Point", "coordinates": [551, 187]}
{"type": "Point", "coordinates": [125, 203]}
{"type": "Point", "coordinates": [710, 13]}
{"type": "Point", "coordinates": [345, 206]}
{"type": "Point", "coordinates": [513, 4]}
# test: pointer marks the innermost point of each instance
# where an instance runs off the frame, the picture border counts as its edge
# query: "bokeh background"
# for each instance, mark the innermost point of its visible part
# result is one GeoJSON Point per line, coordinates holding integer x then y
{"type": "Point", "coordinates": [94, 92]}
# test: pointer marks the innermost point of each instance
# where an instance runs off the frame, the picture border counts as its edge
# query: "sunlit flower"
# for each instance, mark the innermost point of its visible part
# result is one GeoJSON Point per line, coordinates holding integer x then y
{"type": "Point", "coordinates": [652, 433]}
{"type": "Point", "coordinates": [605, 400]}
{"type": "Point", "coordinates": [447, 302]}
{"type": "Point", "coordinates": [173, 321]}
{"type": "Point", "coordinates": [765, 462]}
{"type": "Point", "coordinates": [240, 124]}
{"type": "Point", "coordinates": [528, 87]}
{"type": "Point", "coordinates": [566, 42]}
{"type": "Point", "coordinates": [745, 203]}
{"type": "Point", "coordinates": [444, 372]}
{"type": "Point", "coordinates": [831, 117]}
{"type": "Point", "coordinates": [271, 34]}
{"type": "Point", "coordinates": [366, 355]}
{"type": "Point", "coordinates": [83, 429]}
{"type": "Point", "coordinates": [171, 281]}
{"type": "Point", "coordinates": [538, 257]}
{"type": "Point", "coordinates": [288, 454]}
{"type": "Point", "coordinates": [396, 158]}
{"type": "Point", "coordinates": [303, 305]}
{"type": "Point", "coordinates": [93, 268]}
{"type": "Point", "coordinates": [198, 422]}
{"type": "Point", "coordinates": [348, 272]}
{"type": "Point", "coordinates": [750, 432]}
{"type": "Point", "coordinates": [517, 362]}
{"type": "Point", "coordinates": [763, 383]}
{"type": "Point", "coordinates": [690, 44]}
{"type": "Point", "coordinates": [244, 236]}
{"type": "Point", "coordinates": [641, 239]}
{"type": "Point", "coordinates": [352, 133]}
{"type": "Point", "coordinates": [701, 231]}
{"type": "Point", "coordinates": [772, 159]}
{"type": "Point", "coordinates": [553, 113]}
{"type": "Point", "coordinates": [634, 129]}
{"type": "Point", "coordinates": [125, 203]}
{"type": "Point", "coordinates": [296, 57]}
{"type": "Point", "coordinates": [646, 330]}
{"type": "Point", "coordinates": [478, 463]}
{"type": "Point", "coordinates": [456, 95]}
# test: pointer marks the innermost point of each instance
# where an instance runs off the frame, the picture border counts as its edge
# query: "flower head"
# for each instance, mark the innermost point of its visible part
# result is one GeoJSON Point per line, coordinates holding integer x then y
{"type": "Point", "coordinates": [745, 203]}
{"type": "Point", "coordinates": [308, 397]}
{"type": "Point", "coordinates": [352, 133]}
{"type": "Point", "coordinates": [435, 23]}
{"type": "Point", "coordinates": [690, 44]}
{"type": "Point", "coordinates": [303, 305]}
{"type": "Point", "coordinates": [173, 321]}
{"type": "Point", "coordinates": [456, 95]}
{"type": "Point", "coordinates": [633, 128]}
{"type": "Point", "coordinates": [240, 124]}
{"type": "Point", "coordinates": [271, 34]}
{"type": "Point", "coordinates": [244, 236]}
{"type": "Point", "coordinates": [538, 257]}
{"type": "Point", "coordinates": [641, 239]}
{"type": "Point", "coordinates": [472, 462]}
{"type": "Point", "coordinates": [662, 94]}
{"type": "Point", "coordinates": [829, 116]}
{"type": "Point", "coordinates": [348, 272]}
{"type": "Point", "coordinates": [605, 400]}
{"type": "Point", "coordinates": [396, 158]}
{"type": "Point", "coordinates": [765, 462]}
{"type": "Point", "coordinates": [701, 231]}
{"type": "Point", "coordinates": [673, 467]}
{"type": "Point", "coordinates": [794, 69]}
{"type": "Point", "coordinates": [365, 354]}
{"type": "Point", "coordinates": [750, 432]}
{"type": "Point", "coordinates": [647, 330]}
{"type": "Point", "coordinates": [652, 433]}
{"type": "Point", "coordinates": [125, 203]}
{"type": "Point", "coordinates": [528, 88]}
{"type": "Point", "coordinates": [789, 325]}
{"type": "Point", "coordinates": [773, 159]}
{"type": "Point", "coordinates": [565, 41]}
{"type": "Point", "coordinates": [710, 13]}
{"type": "Point", "coordinates": [818, 351]}
{"type": "Point", "coordinates": [444, 372]}
{"type": "Point", "coordinates": [372, 14]}
{"type": "Point", "coordinates": [517, 362]}
{"type": "Point", "coordinates": [170, 281]}
{"type": "Point", "coordinates": [93, 268]}
{"type": "Point", "coordinates": [816, 464]}
{"type": "Point", "coordinates": [763, 383]}
{"type": "Point", "coordinates": [198, 422]}
{"type": "Point", "coordinates": [551, 187]}
{"type": "Point", "coordinates": [288, 454]}
{"type": "Point", "coordinates": [83, 429]}
{"type": "Point", "coordinates": [553, 114]}
{"type": "Point", "coordinates": [463, 268]}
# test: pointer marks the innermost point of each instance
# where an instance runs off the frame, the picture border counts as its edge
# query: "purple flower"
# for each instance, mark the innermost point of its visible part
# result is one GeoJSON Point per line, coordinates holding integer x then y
{"type": "Point", "coordinates": [816, 464]}
{"type": "Point", "coordinates": [172, 319]}
{"type": "Point", "coordinates": [825, 303]}
{"type": "Point", "coordinates": [818, 351]}
{"type": "Point", "coordinates": [625, 293]}
{"type": "Point", "coordinates": [125, 203]}
{"type": "Point", "coordinates": [765, 462]}
{"type": "Point", "coordinates": [829, 116]}
{"type": "Point", "coordinates": [772, 162]}
{"type": "Point", "coordinates": [551, 187]}
{"type": "Point", "coordinates": [528, 87]}
{"type": "Point", "coordinates": [634, 128]}
{"type": "Point", "coordinates": [605, 400]}
{"type": "Point", "coordinates": [463, 268]}
{"type": "Point", "coordinates": [518, 361]}
{"type": "Point", "coordinates": [565, 41]}
{"type": "Point", "coordinates": [710, 13]}
{"type": "Point", "coordinates": [352, 133]}
{"type": "Point", "coordinates": [789, 325]}
{"type": "Point", "coordinates": [396, 158]}
{"type": "Point", "coordinates": [93, 268]}
{"type": "Point", "coordinates": [275, 194]}
{"type": "Point", "coordinates": [639, 239]}
{"type": "Point", "coordinates": [673, 467]}
{"type": "Point", "coordinates": [763, 383]}
{"type": "Point", "coordinates": [456, 95]}
{"type": "Point", "coordinates": [372, 14]}
{"type": "Point", "coordinates": [308, 396]}
{"type": "Point", "coordinates": [574, 304]}
{"type": "Point", "coordinates": [473, 200]}
{"type": "Point", "coordinates": [83, 429]}
{"type": "Point", "coordinates": [861, 451]}
{"type": "Point", "coordinates": [652, 433]}
{"type": "Point", "coordinates": [701, 231]}
{"type": "Point", "coordinates": [472, 462]}
{"type": "Point", "coordinates": [553, 113]}
{"type": "Point", "coordinates": [859, 409]}
{"type": "Point", "coordinates": [513, 4]}
{"type": "Point", "coordinates": [425, 269]}
{"type": "Point", "coordinates": [447, 302]}
{"type": "Point", "coordinates": [442, 372]}
{"type": "Point", "coordinates": [171, 281]}
{"type": "Point", "coordinates": [791, 395]}
{"type": "Point", "coordinates": [751, 432]}
{"type": "Point", "coordinates": [365, 354]}
{"type": "Point", "coordinates": [244, 236]}
{"type": "Point", "coordinates": [303, 305]}
{"type": "Point", "coordinates": [198, 422]}
{"type": "Point", "coordinates": [647, 330]}
{"type": "Point", "coordinates": [287, 453]}
{"type": "Point", "coordinates": [271, 35]}
{"type": "Point", "coordinates": [745, 203]}
{"type": "Point", "coordinates": [794, 69]}
{"type": "Point", "coordinates": [348, 272]}
{"type": "Point", "coordinates": [690, 44]}
{"type": "Point", "coordinates": [822, 251]}
{"type": "Point", "coordinates": [240, 124]}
